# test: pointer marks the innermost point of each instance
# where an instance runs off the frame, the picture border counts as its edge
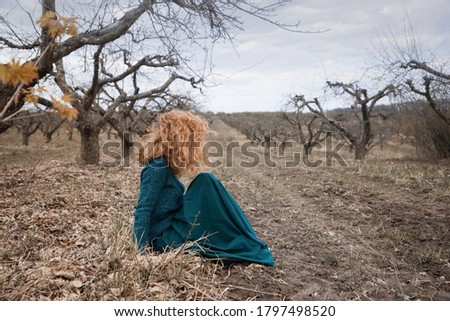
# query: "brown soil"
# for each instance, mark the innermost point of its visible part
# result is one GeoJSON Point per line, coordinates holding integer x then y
{"type": "Point", "coordinates": [375, 230]}
{"type": "Point", "coordinates": [343, 234]}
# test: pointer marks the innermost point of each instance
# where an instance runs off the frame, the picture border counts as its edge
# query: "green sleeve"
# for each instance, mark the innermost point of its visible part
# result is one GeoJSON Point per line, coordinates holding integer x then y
{"type": "Point", "coordinates": [153, 178]}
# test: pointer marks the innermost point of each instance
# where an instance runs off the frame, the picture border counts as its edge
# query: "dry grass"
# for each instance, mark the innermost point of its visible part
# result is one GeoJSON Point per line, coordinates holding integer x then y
{"type": "Point", "coordinates": [374, 230]}
{"type": "Point", "coordinates": [66, 235]}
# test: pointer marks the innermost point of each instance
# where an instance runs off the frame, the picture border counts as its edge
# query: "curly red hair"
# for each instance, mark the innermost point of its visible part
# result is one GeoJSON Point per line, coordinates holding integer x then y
{"type": "Point", "coordinates": [178, 136]}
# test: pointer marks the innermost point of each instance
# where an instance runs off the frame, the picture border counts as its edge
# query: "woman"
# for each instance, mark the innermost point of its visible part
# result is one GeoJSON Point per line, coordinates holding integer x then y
{"type": "Point", "coordinates": [206, 216]}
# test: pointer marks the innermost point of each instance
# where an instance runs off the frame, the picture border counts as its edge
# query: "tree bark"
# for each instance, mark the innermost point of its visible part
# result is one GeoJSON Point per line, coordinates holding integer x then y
{"type": "Point", "coordinates": [282, 148]}
{"type": "Point", "coordinates": [360, 151]}
{"type": "Point", "coordinates": [48, 137]}
{"type": "Point", "coordinates": [306, 150]}
{"type": "Point", "coordinates": [70, 135]}
{"type": "Point", "coordinates": [28, 130]}
{"type": "Point", "coordinates": [90, 133]}
{"type": "Point", "coordinates": [25, 136]}
{"type": "Point", "coordinates": [127, 144]}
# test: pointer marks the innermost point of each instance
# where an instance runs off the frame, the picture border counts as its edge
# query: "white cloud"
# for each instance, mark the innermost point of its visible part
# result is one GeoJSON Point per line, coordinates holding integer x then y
{"type": "Point", "coordinates": [272, 62]}
{"type": "Point", "coordinates": [266, 62]}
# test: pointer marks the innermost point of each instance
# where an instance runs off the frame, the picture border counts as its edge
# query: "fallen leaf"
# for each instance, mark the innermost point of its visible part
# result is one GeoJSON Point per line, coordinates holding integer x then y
{"type": "Point", "coordinates": [77, 283]}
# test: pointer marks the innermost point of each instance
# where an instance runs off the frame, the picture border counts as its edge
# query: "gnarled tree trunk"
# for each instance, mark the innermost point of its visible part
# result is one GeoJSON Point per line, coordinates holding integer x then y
{"type": "Point", "coordinates": [90, 133]}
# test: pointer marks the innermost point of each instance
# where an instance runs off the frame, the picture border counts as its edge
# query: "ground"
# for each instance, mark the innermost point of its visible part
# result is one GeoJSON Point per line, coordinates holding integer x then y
{"type": "Point", "coordinates": [377, 229]}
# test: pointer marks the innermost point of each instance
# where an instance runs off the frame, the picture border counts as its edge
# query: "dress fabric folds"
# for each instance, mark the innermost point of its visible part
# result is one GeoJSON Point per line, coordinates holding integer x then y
{"type": "Point", "coordinates": [214, 224]}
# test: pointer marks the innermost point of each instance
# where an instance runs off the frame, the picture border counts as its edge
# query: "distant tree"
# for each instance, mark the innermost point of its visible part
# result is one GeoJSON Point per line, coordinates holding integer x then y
{"type": "Point", "coordinates": [362, 137]}
{"type": "Point", "coordinates": [50, 124]}
{"type": "Point", "coordinates": [281, 131]}
{"type": "Point", "coordinates": [246, 123]}
{"type": "Point", "coordinates": [28, 123]}
{"type": "Point", "coordinates": [424, 77]}
{"type": "Point", "coordinates": [309, 127]}
{"type": "Point", "coordinates": [435, 88]}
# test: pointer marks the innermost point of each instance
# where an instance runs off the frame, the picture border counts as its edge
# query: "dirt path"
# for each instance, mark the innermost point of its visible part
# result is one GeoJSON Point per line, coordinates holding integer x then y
{"type": "Point", "coordinates": [348, 233]}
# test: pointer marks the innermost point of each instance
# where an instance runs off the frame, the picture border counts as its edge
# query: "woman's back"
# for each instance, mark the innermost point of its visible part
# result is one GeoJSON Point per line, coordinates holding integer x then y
{"type": "Point", "coordinates": [160, 198]}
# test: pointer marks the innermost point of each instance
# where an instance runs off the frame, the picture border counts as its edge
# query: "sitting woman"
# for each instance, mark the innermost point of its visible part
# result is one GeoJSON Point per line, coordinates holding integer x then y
{"type": "Point", "coordinates": [206, 216]}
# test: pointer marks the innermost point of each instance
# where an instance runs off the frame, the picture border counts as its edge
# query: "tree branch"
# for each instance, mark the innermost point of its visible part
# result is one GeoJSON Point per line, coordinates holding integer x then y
{"type": "Point", "coordinates": [13, 45]}
{"type": "Point", "coordinates": [155, 91]}
{"type": "Point", "coordinates": [104, 35]}
{"type": "Point", "coordinates": [146, 61]}
{"type": "Point", "coordinates": [428, 96]}
{"type": "Point", "coordinates": [414, 64]}
{"type": "Point", "coordinates": [389, 89]}
{"type": "Point", "coordinates": [95, 85]}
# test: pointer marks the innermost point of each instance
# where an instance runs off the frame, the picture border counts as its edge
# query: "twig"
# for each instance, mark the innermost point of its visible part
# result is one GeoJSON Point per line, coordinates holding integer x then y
{"type": "Point", "coordinates": [197, 290]}
{"type": "Point", "coordinates": [250, 290]}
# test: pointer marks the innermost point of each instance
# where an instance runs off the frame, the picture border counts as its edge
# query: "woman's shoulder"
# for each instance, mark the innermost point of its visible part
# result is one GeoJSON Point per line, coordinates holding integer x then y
{"type": "Point", "coordinates": [156, 166]}
{"type": "Point", "coordinates": [159, 162]}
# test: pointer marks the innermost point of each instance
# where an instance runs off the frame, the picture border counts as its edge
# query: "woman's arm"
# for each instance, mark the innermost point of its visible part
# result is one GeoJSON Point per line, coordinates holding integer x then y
{"type": "Point", "coordinates": [153, 178]}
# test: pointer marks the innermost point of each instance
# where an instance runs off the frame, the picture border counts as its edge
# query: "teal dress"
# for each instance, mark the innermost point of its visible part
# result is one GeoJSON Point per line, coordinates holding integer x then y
{"type": "Point", "coordinates": [207, 217]}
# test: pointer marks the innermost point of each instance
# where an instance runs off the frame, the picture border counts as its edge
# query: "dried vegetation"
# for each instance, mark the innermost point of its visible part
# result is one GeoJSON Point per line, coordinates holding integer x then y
{"type": "Point", "coordinates": [375, 230]}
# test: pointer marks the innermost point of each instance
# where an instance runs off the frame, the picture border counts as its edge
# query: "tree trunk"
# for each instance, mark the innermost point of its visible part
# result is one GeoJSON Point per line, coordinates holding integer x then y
{"type": "Point", "coordinates": [307, 150]}
{"type": "Point", "coordinates": [267, 143]}
{"type": "Point", "coordinates": [282, 149]}
{"type": "Point", "coordinates": [351, 148]}
{"type": "Point", "coordinates": [48, 137]}
{"type": "Point", "coordinates": [90, 133]}
{"type": "Point", "coordinates": [25, 136]}
{"type": "Point", "coordinates": [127, 143]}
{"type": "Point", "coordinates": [362, 145]}
{"type": "Point", "coordinates": [360, 151]}
{"type": "Point", "coordinates": [90, 147]}
{"type": "Point", "coordinates": [70, 136]}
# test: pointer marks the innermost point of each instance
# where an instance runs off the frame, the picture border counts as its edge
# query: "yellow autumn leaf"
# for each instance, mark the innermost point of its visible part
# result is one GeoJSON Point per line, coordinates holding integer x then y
{"type": "Point", "coordinates": [6, 71]}
{"type": "Point", "coordinates": [4, 74]}
{"type": "Point", "coordinates": [33, 99]}
{"type": "Point", "coordinates": [58, 25]}
{"type": "Point", "coordinates": [40, 89]}
{"type": "Point", "coordinates": [15, 73]}
{"type": "Point", "coordinates": [67, 98]}
{"type": "Point", "coordinates": [70, 25]}
{"type": "Point", "coordinates": [46, 19]}
{"type": "Point", "coordinates": [72, 114]}
{"type": "Point", "coordinates": [55, 29]}
{"type": "Point", "coordinates": [71, 30]}
{"type": "Point", "coordinates": [30, 96]}
{"type": "Point", "coordinates": [49, 21]}
{"type": "Point", "coordinates": [64, 110]}
{"type": "Point", "coordinates": [25, 74]}
{"type": "Point", "coordinates": [68, 21]}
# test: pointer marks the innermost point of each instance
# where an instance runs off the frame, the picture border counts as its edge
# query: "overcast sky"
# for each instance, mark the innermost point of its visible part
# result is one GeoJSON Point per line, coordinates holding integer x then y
{"type": "Point", "coordinates": [268, 63]}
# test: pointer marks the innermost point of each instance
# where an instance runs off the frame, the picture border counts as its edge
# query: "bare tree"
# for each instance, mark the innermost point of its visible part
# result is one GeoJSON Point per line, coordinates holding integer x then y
{"type": "Point", "coordinates": [363, 107]}
{"type": "Point", "coordinates": [167, 19]}
{"type": "Point", "coordinates": [422, 76]}
{"type": "Point", "coordinates": [28, 123]}
{"type": "Point", "coordinates": [435, 84]}
{"type": "Point", "coordinates": [87, 100]}
{"type": "Point", "coordinates": [50, 124]}
{"type": "Point", "coordinates": [281, 131]}
{"type": "Point", "coordinates": [309, 134]}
